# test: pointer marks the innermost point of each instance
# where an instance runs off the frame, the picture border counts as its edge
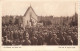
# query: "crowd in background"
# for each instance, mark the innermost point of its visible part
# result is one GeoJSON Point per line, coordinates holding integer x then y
{"type": "Point", "coordinates": [43, 35]}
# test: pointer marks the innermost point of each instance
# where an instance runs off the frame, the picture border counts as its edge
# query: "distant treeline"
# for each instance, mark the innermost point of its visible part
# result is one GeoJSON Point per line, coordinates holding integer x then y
{"type": "Point", "coordinates": [69, 20]}
{"type": "Point", "coordinates": [6, 20]}
{"type": "Point", "coordinates": [47, 20]}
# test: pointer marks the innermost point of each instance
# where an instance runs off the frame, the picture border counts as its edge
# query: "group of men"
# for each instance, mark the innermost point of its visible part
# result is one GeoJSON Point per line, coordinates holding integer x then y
{"type": "Point", "coordinates": [51, 35]}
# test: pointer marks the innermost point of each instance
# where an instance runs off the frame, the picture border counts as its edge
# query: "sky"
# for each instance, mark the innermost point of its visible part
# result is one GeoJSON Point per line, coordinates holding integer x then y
{"type": "Point", "coordinates": [41, 7]}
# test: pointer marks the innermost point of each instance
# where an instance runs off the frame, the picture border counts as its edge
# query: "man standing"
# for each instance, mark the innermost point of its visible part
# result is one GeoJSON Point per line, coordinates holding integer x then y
{"type": "Point", "coordinates": [69, 40]}
{"type": "Point", "coordinates": [27, 41]}
{"type": "Point", "coordinates": [53, 40]}
{"type": "Point", "coordinates": [34, 40]}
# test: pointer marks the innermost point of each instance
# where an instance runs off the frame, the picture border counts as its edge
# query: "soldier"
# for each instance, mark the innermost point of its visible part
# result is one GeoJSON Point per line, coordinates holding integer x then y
{"type": "Point", "coordinates": [26, 41]}
{"type": "Point", "coordinates": [3, 32]}
{"type": "Point", "coordinates": [69, 40]}
{"type": "Point", "coordinates": [62, 39]}
{"type": "Point", "coordinates": [8, 34]}
{"type": "Point", "coordinates": [75, 39]}
{"type": "Point", "coordinates": [6, 41]}
{"type": "Point", "coordinates": [40, 39]}
{"type": "Point", "coordinates": [16, 37]}
{"type": "Point", "coordinates": [49, 37]}
{"type": "Point", "coordinates": [11, 36]}
{"type": "Point", "coordinates": [53, 40]}
{"type": "Point", "coordinates": [34, 40]}
{"type": "Point", "coordinates": [21, 35]}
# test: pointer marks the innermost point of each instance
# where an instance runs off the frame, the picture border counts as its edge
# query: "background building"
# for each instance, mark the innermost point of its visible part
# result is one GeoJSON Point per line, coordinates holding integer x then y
{"type": "Point", "coordinates": [30, 17]}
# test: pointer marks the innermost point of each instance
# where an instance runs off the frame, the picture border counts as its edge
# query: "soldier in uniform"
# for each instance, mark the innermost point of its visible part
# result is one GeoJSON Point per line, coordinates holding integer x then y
{"type": "Point", "coordinates": [34, 40]}
{"type": "Point", "coordinates": [16, 37]}
{"type": "Point", "coordinates": [3, 32]}
{"type": "Point", "coordinates": [6, 41]}
{"type": "Point", "coordinates": [40, 39]}
{"type": "Point", "coordinates": [11, 32]}
{"type": "Point", "coordinates": [26, 41]}
{"type": "Point", "coordinates": [75, 40]}
{"type": "Point", "coordinates": [53, 40]}
{"type": "Point", "coordinates": [69, 40]}
{"type": "Point", "coordinates": [8, 34]}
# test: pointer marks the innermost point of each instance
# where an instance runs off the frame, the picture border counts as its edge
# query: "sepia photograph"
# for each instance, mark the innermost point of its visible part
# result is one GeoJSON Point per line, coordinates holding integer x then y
{"type": "Point", "coordinates": [39, 23]}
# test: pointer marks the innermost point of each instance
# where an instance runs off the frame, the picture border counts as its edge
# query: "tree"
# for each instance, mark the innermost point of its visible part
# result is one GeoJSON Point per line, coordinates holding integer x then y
{"type": "Point", "coordinates": [74, 21]}
{"type": "Point", "coordinates": [46, 22]}
{"type": "Point", "coordinates": [16, 21]}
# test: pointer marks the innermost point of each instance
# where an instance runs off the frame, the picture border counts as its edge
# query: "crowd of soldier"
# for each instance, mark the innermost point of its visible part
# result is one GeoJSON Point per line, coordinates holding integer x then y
{"type": "Point", "coordinates": [15, 35]}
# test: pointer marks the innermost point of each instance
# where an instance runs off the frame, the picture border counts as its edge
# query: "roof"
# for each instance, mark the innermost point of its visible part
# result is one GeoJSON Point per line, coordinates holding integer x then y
{"type": "Point", "coordinates": [28, 10]}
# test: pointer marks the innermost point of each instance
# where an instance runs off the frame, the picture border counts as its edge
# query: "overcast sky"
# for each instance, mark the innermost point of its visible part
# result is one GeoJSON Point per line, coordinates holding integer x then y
{"type": "Point", "coordinates": [41, 8]}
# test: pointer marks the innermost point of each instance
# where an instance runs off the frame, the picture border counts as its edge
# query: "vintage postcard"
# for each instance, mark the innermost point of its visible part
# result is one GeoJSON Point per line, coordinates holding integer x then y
{"type": "Point", "coordinates": [39, 25]}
